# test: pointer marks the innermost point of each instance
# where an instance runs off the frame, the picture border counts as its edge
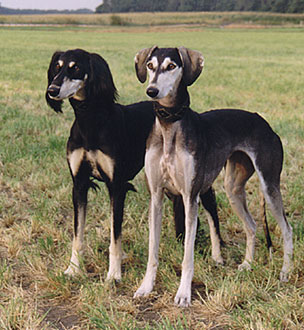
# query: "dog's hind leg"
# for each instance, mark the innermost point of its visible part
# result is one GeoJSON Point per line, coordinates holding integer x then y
{"type": "Point", "coordinates": [80, 192]}
{"type": "Point", "coordinates": [209, 203]}
{"type": "Point", "coordinates": [179, 215]}
{"type": "Point", "coordinates": [238, 170]}
{"type": "Point", "coordinates": [271, 190]}
{"type": "Point", "coordinates": [265, 224]}
{"type": "Point", "coordinates": [117, 196]}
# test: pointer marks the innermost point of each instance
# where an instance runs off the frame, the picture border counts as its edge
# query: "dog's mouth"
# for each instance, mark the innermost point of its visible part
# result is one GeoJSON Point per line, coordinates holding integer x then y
{"type": "Point", "coordinates": [58, 98]}
{"type": "Point", "coordinates": [69, 88]}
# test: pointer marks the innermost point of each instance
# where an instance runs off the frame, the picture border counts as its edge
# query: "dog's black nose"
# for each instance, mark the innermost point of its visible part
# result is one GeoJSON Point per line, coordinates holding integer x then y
{"type": "Point", "coordinates": [152, 91]}
{"type": "Point", "coordinates": [53, 90]}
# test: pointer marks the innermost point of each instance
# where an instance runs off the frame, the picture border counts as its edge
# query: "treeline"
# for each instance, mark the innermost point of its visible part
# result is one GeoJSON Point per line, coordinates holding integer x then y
{"type": "Point", "coordinates": [279, 6]}
{"type": "Point", "coordinates": [9, 11]}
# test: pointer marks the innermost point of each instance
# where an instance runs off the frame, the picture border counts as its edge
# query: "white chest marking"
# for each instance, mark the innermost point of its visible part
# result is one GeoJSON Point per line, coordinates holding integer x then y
{"type": "Point", "coordinates": [177, 165]}
{"type": "Point", "coordinates": [96, 159]}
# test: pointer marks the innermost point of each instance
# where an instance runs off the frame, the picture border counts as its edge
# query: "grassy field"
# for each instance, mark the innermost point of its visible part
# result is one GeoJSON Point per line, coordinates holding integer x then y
{"type": "Point", "coordinates": [259, 70]}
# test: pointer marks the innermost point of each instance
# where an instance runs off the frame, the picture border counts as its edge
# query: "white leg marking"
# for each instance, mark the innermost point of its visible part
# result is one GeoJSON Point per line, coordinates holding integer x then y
{"type": "Point", "coordinates": [77, 247]}
{"type": "Point", "coordinates": [115, 254]}
{"type": "Point", "coordinates": [275, 203]}
{"type": "Point", "coordinates": [183, 296]}
{"type": "Point", "coordinates": [235, 190]}
{"type": "Point", "coordinates": [276, 206]}
{"type": "Point", "coordinates": [215, 242]}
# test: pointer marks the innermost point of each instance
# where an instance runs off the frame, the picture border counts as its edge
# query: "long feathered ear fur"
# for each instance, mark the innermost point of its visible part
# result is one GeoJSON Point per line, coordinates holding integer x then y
{"type": "Point", "coordinates": [141, 62]}
{"type": "Point", "coordinates": [100, 83]}
{"type": "Point", "coordinates": [193, 63]}
{"type": "Point", "coordinates": [55, 105]}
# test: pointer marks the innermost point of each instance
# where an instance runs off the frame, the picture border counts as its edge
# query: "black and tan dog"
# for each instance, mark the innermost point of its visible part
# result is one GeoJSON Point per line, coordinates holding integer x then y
{"type": "Point", "coordinates": [107, 142]}
{"type": "Point", "coordinates": [186, 151]}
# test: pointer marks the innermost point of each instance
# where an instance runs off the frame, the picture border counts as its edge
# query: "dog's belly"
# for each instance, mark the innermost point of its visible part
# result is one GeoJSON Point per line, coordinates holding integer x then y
{"type": "Point", "coordinates": [95, 158]}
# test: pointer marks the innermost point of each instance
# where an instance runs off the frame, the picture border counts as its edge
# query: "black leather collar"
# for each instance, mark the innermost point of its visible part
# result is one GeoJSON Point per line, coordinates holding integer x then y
{"type": "Point", "coordinates": [169, 114]}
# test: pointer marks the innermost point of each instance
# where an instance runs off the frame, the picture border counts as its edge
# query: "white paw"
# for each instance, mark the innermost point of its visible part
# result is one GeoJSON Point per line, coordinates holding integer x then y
{"type": "Point", "coordinates": [182, 300]}
{"type": "Point", "coordinates": [72, 271]}
{"type": "Point", "coordinates": [244, 266]}
{"type": "Point", "coordinates": [124, 255]}
{"type": "Point", "coordinates": [284, 276]}
{"type": "Point", "coordinates": [114, 275]}
{"type": "Point", "coordinates": [218, 260]}
{"type": "Point", "coordinates": [144, 290]}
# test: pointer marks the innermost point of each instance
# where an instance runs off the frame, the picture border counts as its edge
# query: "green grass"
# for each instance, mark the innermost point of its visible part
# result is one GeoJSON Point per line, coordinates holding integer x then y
{"type": "Point", "coordinates": [259, 70]}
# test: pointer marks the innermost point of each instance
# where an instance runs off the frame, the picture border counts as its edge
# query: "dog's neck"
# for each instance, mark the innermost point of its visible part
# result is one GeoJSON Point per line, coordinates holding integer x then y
{"type": "Point", "coordinates": [174, 110]}
{"type": "Point", "coordinates": [87, 108]}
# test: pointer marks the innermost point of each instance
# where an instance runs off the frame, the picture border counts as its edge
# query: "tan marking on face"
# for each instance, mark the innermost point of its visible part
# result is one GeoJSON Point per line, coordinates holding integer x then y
{"type": "Point", "coordinates": [60, 62]}
{"type": "Point", "coordinates": [71, 64]}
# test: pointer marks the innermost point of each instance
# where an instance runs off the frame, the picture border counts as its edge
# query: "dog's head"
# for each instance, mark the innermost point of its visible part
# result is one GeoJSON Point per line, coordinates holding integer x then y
{"type": "Point", "coordinates": [167, 69]}
{"type": "Point", "coordinates": [80, 75]}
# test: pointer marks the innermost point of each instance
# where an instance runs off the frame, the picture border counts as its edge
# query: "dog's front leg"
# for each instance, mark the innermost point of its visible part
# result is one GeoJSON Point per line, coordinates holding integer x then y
{"type": "Point", "coordinates": [155, 220]}
{"type": "Point", "coordinates": [80, 193]}
{"type": "Point", "coordinates": [183, 296]}
{"type": "Point", "coordinates": [118, 196]}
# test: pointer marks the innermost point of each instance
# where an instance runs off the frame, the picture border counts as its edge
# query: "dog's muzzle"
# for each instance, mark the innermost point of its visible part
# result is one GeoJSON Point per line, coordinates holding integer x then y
{"type": "Point", "coordinates": [53, 91]}
{"type": "Point", "coordinates": [152, 91]}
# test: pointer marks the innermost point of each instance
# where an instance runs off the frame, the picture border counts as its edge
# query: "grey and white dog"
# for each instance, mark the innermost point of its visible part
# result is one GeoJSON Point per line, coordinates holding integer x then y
{"type": "Point", "coordinates": [186, 151]}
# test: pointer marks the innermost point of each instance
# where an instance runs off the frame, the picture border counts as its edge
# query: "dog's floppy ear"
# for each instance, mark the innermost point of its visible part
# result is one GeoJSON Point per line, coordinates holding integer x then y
{"type": "Point", "coordinates": [100, 82]}
{"type": "Point", "coordinates": [193, 63]}
{"type": "Point", "coordinates": [141, 61]}
{"type": "Point", "coordinates": [55, 105]}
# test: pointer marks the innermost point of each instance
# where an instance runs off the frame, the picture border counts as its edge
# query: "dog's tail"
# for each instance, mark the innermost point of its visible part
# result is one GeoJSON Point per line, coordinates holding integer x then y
{"type": "Point", "coordinates": [265, 224]}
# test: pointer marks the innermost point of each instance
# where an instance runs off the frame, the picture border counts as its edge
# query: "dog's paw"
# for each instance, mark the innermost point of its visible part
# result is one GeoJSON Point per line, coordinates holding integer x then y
{"type": "Point", "coordinates": [284, 276]}
{"type": "Point", "coordinates": [144, 290]}
{"type": "Point", "coordinates": [114, 275]}
{"type": "Point", "coordinates": [72, 271]}
{"type": "Point", "coordinates": [219, 261]}
{"type": "Point", "coordinates": [182, 300]}
{"type": "Point", "coordinates": [244, 266]}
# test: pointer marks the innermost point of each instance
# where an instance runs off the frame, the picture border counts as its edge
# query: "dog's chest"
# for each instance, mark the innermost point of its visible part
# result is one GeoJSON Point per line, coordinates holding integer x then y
{"type": "Point", "coordinates": [177, 164]}
{"type": "Point", "coordinates": [99, 163]}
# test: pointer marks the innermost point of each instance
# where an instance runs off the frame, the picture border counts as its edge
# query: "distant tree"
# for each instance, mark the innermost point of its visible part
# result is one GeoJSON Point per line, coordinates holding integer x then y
{"type": "Point", "coordinates": [296, 6]}
{"type": "Point", "coordinates": [282, 6]}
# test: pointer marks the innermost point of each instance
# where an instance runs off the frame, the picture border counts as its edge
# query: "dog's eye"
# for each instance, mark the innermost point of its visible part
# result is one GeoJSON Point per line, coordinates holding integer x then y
{"type": "Point", "coordinates": [57, 66]}
{"type": "Point", "coordinates": [150, 66]}
{"type": "Point", "coordinates": [171, 66]}
{"type": "Point", "coordinates": [76, 68]}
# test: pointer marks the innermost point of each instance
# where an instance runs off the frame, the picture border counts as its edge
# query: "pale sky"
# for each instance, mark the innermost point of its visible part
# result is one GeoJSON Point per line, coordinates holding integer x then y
{"type": "Point", "coordinates": [51, 4]}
